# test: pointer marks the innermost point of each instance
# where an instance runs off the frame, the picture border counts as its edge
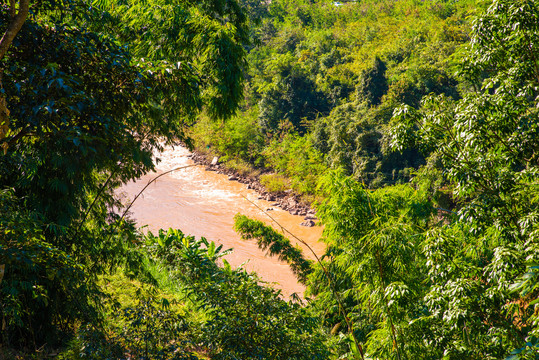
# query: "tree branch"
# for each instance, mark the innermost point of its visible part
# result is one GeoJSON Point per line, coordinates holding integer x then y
{"type": "Point", "coordinates": [11, 9]}
{"type": "Point", "coordinates": [5, 142]}
{"type": "Point", "coordinates": [14, 26]}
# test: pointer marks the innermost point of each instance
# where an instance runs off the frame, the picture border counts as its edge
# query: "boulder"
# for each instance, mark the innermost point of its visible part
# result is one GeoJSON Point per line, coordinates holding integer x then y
{"type": "Point", "coordinates": [308, 223]}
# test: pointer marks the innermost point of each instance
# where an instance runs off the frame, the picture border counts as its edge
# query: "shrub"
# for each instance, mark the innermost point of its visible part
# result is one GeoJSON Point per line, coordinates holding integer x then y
{"type": "Point", "coordinates": [245, 320]}
{"type": "Point", "coordinates": [296, 158]}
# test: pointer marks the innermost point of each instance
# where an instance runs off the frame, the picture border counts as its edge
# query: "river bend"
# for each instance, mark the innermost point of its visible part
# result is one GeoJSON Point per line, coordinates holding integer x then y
{"type": "Point", "coordinates": [203, 203]}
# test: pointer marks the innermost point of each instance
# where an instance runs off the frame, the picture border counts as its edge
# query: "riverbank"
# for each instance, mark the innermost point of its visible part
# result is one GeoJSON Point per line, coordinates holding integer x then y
{"type": "Point", "coordinates": [203, 204]}
{"type": "Point", "coordinates": [285, 200]}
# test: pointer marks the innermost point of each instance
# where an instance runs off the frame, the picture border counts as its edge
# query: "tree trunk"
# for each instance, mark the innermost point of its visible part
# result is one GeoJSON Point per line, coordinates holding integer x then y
{"type": "Point", "coordinates": [4, 120]}
{"type": "Point", "coordinates": [15, 25]}
{"type": "Point", "coordinates": [17, 19]}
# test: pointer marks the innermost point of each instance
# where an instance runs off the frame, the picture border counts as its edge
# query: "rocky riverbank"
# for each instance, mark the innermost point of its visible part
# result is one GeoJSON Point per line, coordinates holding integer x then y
{"type": "Point", "coordinates": [287, 200]}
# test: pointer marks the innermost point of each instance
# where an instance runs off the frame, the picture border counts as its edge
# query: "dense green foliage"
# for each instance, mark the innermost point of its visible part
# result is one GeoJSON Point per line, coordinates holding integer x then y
{"type": "Point", "coordinates": [43, 285]}
{"type": "Point", "coordinates": [88, 107]}
{"type": "Point", "coordinates": [342, 100]}
{"type": "Point", "coordinates": [333, 73]}
{"type": "Point", "coordinates": [245, 320]}
{"type": "Point", "coordinates": [445, 267]}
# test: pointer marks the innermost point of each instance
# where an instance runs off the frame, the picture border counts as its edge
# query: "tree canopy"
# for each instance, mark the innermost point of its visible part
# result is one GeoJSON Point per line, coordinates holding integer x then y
{"type": "Point", "coordinates": [91, 97]}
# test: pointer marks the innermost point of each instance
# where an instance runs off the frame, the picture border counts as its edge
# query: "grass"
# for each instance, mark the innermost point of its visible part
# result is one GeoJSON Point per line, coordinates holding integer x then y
{"type": "Point", "coordinates": [275, 183]}
{"type": "Point", "coordinates": [243, 168]}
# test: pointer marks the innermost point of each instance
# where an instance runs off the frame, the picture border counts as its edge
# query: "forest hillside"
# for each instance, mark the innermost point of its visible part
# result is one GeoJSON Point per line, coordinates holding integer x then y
{"type": "Point", "coordinates": [411, 126]}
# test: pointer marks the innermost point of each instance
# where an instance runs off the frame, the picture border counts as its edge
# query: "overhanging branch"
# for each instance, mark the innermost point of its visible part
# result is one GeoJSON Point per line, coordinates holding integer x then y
{"type": "Point", "coordinates": [14, 26]}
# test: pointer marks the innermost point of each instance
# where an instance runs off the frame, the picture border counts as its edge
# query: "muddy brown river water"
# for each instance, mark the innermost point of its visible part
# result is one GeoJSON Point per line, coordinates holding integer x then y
{"type": "Point", "coordinates": [203, 203]}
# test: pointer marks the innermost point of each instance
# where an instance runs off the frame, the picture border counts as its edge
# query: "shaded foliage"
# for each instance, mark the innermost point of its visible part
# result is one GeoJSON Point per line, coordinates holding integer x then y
{"type": "Point", "coordinates": [44, 290]}
{"type": "Point", "coordinates": [86, 115]}
{"type": "Point", "coordinates": [295, 99]}
{"type": "Point", "coordinates": [373, 84]}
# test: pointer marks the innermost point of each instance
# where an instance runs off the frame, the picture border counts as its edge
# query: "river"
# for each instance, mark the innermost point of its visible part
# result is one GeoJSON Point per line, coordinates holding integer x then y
{"type": "Point", "coordinates": [203, 203]}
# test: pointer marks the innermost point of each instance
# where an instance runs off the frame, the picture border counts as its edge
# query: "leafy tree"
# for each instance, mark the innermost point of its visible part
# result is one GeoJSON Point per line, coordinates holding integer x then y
{"type": "Point", "coordinates": [373, 242]}
{"type": "Point", "coordinates": [199, 44]}
{"type": "Point", "coordinates": [69, 133]}
{"type": "Point", "coordinates": [373, 84]}
{"type": "Point", "coordinates": [485, 146]}
{"type": "Point", "coordinates": [16, 18]}
{"type": "Point", "coordinates": [295, 157]}
{"type": "Point", "coordinates": [236, 138]}
{"type": "Point", "coordinates": [86, 116]}
{"type": "Point", "coordinates": [295, 98]}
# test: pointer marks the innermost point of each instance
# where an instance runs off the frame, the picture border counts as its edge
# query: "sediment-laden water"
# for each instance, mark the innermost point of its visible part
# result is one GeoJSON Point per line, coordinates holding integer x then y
{"type": "Point", "coordinates": [203, 203]}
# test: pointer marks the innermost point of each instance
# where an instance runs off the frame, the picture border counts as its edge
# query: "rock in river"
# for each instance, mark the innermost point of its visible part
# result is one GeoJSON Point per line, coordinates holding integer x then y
{"type": "Point", "coordinates": [308, 223]}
